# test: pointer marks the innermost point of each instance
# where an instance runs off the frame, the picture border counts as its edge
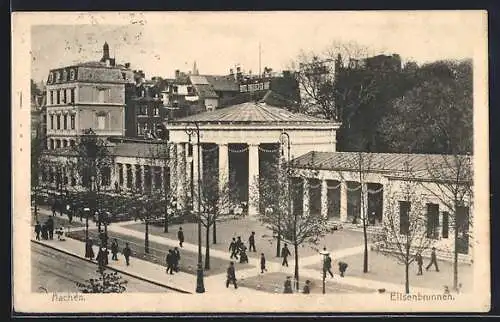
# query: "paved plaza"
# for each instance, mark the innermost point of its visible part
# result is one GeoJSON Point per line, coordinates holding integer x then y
{"type": "Point", "coordinates": [384, 272]}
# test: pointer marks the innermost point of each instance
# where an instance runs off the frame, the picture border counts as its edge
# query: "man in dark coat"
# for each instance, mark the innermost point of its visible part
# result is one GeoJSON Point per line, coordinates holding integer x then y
{"type": "Point", "coordinates": [327, 265]}
{"type": "Point", "coordinates": [114, 250]}
{"type": "Point", "coordinates": [239, 245]}
{"type": "Point", "coordinates": [233, 248]}
{"type": "Point", "coordinates": [307, 289]}
{"type": "Point", "coordinates": [433, 260]}
{"type": "Point", "coordinates": [50, 227]}
{"type": "Point", "coordinates": [38, 230]}
{"type": "Point", "coordinates": [285, 252]}
{"type": "Point", "coordinates": [243, 255]}
{"type": "Point", "coordinates": [54, 207]}
{"type": "Point", "coordinates": [102, 257]}
{"type": "Point", "coordinates": [251, 242]}
{"type": "Point", "coordinates": [231, 276]}
{"type": "Point", "coordinates": [420, 262]}
{"type": "Point", "coordinates": [288, 285]}
{"type": "Point", "coordinates": [177, 258]}
{"type": "Point", "coordinates": [262, 263]}
{"type": "Point", "coordinates": [45, 232]}
{"type": "Point", "coordinates": [170, 262]}
{"type": "Point", "coordinates": [127, 252]}
{"type": "Point", "coordinates": [180, 236]}
{"type": "Point", "coordinates": [342, 268]}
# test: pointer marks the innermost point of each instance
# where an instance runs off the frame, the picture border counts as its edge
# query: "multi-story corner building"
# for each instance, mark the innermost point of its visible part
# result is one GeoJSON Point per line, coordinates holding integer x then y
{"type": "Point", "coordinates": [89, 95]}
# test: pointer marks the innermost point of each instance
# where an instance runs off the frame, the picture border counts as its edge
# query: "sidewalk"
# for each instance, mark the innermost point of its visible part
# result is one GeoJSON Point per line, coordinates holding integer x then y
{"type": "Point", "coordinates": [182, 282]}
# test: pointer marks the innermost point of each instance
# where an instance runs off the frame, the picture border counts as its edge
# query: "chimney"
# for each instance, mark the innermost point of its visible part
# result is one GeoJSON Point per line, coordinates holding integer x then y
{"type": "Point", "coordinates": [177, 74]}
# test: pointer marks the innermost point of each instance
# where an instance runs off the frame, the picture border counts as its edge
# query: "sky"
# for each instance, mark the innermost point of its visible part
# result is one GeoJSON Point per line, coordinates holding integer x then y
{"type": "Point", "coordinates": [160, 43]}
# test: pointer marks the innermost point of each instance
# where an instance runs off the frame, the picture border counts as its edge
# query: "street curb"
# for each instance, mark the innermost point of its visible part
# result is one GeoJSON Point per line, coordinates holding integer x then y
{"type": "Point", "coordinates": [113, 268]}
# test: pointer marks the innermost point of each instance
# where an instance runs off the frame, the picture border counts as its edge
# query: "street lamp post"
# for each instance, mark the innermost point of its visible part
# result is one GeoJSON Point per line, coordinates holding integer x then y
{"type": "Point", "coordinates": [200, 288]}
{"type": "Point", "coordinates": [324, 253]}
{"type": "Point", "coordinates": [284, 136]}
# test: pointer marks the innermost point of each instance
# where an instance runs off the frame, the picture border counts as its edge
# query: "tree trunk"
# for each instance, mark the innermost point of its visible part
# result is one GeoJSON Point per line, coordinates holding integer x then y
{"type": "Point", "coordinates": [214, 233]}
{"type": "Point", "coordinates": [207, 248]}
{"type": "Point", "coordinates": [365, 254]}
{"type": "Point", "coordinates": [278, 243]}
{"type": "Point", "coordinates": [455, 255]}
{"type": "Point", "coordinates": [146, 237]}
{"type": "Point", "coordinates": [296, 247]}
{"type": "Point", "coordinates": [407, 278]}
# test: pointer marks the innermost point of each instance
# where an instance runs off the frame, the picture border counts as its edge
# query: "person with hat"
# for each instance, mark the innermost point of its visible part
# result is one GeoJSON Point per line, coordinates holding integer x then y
{"type": "Point", "coordinates": [420, 262]}
{"type": "Point", "coordinates": [433, 260]}
{"type": "Point", "coordinates": [288, 285]}
{"type": "Point", "coordinates": [285, 252]}
{"type": "Point", "coordinates": [306, 289]}
{"type": "Point", "coordinates": [262, 263]}
{"type": "Point", "coordinates": [231, 276]}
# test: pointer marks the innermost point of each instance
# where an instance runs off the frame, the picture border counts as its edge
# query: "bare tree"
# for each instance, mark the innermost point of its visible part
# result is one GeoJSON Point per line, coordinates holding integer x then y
{"type": "Point", "coordinates": [284, 197]}
{"type": "Point", "coordinates": [38, 160]}
{"type": "Point", "coordinates": [318, 75]}
{"type": "Point", "coordinates": [451, 182]}
{"type": "Point", "coordinates": [403, 234]}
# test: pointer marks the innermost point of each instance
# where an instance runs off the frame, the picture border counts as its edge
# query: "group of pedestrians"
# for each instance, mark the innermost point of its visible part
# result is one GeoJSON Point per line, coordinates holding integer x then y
{"type": "Point", "coordinates": [238, 248]}
{"type": "Point", "coordinates": [172, 259]}
{"type": "Point", "coordinates": [103, 253]}
{"type": "Point", "coordinates": [420, 261]}
{"type": "Point", "coordinates": [45, 231]}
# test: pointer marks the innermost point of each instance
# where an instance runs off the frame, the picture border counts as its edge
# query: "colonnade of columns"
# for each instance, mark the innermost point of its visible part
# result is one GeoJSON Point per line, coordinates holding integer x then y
{"type": "Point", "coordinates": [140, 177]}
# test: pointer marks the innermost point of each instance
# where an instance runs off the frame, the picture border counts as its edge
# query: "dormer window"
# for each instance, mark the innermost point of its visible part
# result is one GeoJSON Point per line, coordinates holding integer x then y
{"type": "Point", "coordinates": [65, 75]}
{"type": "Point", "coordinates": [51, 78]}
{"type": "Point", "coordinates": [72, 74]}
{"type": "Point", "coordinates": [58, 77]}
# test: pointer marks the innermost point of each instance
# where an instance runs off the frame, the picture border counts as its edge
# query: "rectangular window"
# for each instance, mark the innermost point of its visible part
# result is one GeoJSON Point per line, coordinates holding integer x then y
{"type": "Point", "coordinates": [72, 95]}
{"type": "Point", "coordinates": [446, 224]}
{"type": "Point", "coordinates": [432, 221]}
{"type": "Point", "coordinates": [51, 122]}
{"type": "Point", "coordinates": [58, 97]}
{"type": "Point", "coordinates": [58, 121]}
{"type": "Point", "coordinates": [156, 111]}
{"type": "Point", "coordinates": [139, 129]}
{"type": "Point", "coordinates": [64, 96]}
{"type": "Point", "coordinates": [65, 122]}
{"type": "Point", "coordinates": [404, 217]}
{"type": "Point", "coordinates": [101, 122]}
{"type": "Point", "coordinates": [51, 97]}
{"type": "Point", "coordinates": [72, 122]}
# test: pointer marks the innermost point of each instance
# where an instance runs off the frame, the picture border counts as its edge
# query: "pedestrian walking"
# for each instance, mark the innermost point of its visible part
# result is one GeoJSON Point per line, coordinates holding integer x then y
{"type": "Point", "coordinates": [233, 248]}
{"type": "Point", "coordinates": [243, 255]}
{"type": "Point", "coordinates": [262, 263]}
{"type": "Point", "coordinates": [180, 236]}
{"type": "Point", "coordinates": [38, 230]}
{"type": "Point", "coordinates": [102, 257]}
{"type": "Point", "coordinates": [114, 250]}
{"type": "Point", "coordinates": [327, 265]}
{"type": "Point", "coordinates": [342, 268]}
{"type": "Point", "coordinates": [239, 245]}
{"type": "Point", "coordinates": [69, 211]}
{"type": "Point", "coordinates": [177, 258]}
{"type": "Point", "coordinates": [231, 276]}
{"type": "Point", "coordinates": [170, 261]}
{"type": "Point", "coordinates": [433, 260]}
{"type": "Point", "coordinates": [420, 262]}
{"type": "Point", "coordinates": [251, 242]}
{"type": "Point", "coordinates": [127, 252]}
{"type": "Point", "coordinates": [45, 232]}
{"type": "Point", "coordinates": [89, 252]}
{"type": "Point", "coordinates": [288, 285]}
{"type": "Point", "coordinates": [307, 289]}
{"type": "Point", "coordinates": [54, 207]}
{"type": "Point", "coordinates": [50, 227]}
{"type": "Point", "coordinates": [285, 252]}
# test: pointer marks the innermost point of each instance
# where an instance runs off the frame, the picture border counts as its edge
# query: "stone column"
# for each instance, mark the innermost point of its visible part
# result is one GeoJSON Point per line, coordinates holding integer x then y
{"type": "Point", "coordinates": [143, 177]}
{"type": "Point", "coordinates": [187, 171]}
{"type": "Point", "coordinates": [385, 199]}
{"type": "Point", "coordinates": [324, 198]}
{"type": "Point", "coordinates": [173, 167]}
{"type": "Point", "coordinates": [196, 175]}
{"type": "Point", "coordinates": [253, 174]}
{"type": "Point", "coordinates": [223, 171]}
{"type": "Point", "coordinates": [134, 176]}
{"type": "Point", "coordinates": [180, 179]}
{"type": "Point", "coordinates": [125, 175]}
{"type": "Point", "coordinates": [305, 198]}
{"type": "Point", "coordinates": [343, 201]}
